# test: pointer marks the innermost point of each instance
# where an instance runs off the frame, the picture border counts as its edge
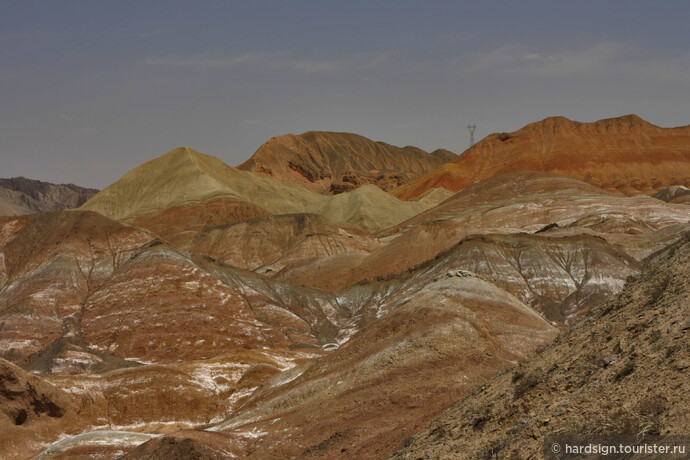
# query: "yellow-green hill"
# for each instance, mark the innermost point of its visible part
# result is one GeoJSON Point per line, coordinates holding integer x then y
{"type": "Point", "coordinates": [185, 176]}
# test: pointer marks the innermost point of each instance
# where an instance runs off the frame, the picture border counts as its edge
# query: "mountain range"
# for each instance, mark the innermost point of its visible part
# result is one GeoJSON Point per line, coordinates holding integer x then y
{"type": "Point", "coordinates": [186, 177]}
{"type": "Point", "coordinates": [336, 297]}
{"type": "Point", "coordinates": [626, 155]}
{"type": "Point", "coordinates": [20, 195]}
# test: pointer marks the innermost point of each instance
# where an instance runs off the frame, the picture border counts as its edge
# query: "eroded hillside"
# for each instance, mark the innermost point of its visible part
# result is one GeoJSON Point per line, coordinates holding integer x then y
{"type": "Point", "coordinates": [595, 379]}
{"type": "Point", "coordinates": [626, 155]}
{"type": "Point", "coordinates": [332, 163]}
{"type": "Point", "coordinates": [195, 309]}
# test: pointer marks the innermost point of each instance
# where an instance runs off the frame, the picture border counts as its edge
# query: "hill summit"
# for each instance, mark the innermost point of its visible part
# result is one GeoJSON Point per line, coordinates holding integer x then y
{"type": "Point", "coordinates": [184, 176]}
{"type": "Point", "coordinates": [625, 154]}
{"type": "Point", "coordinates": [332, 163]}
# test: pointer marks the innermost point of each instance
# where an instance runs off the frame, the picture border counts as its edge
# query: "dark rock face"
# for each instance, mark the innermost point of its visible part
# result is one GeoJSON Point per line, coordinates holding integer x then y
{"type": "Point", "coordinates": [26, 397]}
{"type": "Point", "coordinates": [20, 195]}
{"type": "Point", "coordinates": [674, 194]}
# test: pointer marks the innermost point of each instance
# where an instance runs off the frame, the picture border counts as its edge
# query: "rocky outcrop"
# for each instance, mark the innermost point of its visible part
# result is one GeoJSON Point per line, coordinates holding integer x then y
{"type": "Point", "coordinates": [19, 196]}
{"type": "Point", "coordinates": [674, 194]}
{"type": "Point", "coordinates": [626, 155]}
{"type": "Point", "coordinates": [34, 412]}
{"type": "Point", "coordinates": [27, 398]}
{"type": "Point", "coordinates": [175, 447]}
{"type": "Point", "coordinates": [332, 163]}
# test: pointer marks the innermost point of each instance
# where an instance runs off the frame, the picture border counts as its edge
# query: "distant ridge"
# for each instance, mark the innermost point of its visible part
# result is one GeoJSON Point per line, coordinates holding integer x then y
{"type": "Point", "coordinates": [332, 163]}
{"type": "Point", "coordinates": [625, 154]}
{"type": "Point", "coordinates": [184, 176]}
{"type": "Point", "coordinates": [19, 196]}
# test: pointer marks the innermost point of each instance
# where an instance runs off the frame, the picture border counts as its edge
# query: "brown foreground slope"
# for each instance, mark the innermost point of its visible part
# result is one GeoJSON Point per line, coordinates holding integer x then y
{"type": "Point", "coordinates": [624, 154]}
{"type": "Point", "coordinates": [19, 196]}
{"type": "Point", "coordinates": [622, 370]}
{"type": "Point", "coordinates": [331, 163]}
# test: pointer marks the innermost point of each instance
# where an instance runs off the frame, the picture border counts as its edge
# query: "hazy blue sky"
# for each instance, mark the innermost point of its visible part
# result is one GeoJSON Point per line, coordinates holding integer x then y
{"type": "Point", "coordinates": [90, 89]}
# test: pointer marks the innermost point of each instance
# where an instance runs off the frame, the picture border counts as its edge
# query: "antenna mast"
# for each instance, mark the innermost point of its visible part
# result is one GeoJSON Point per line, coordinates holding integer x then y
{"type": "Point", "coordinates": [472, 127]}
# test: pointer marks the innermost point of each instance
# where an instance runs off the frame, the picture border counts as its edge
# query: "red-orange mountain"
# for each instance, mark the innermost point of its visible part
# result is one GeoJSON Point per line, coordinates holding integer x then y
{"type": "Point", "coordinates": [624, 154]}
{"type": "Point", "coordinates": [332, 163]}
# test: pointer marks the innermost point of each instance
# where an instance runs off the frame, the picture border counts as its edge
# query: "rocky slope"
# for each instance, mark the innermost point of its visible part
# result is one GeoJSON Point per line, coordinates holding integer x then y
{"type": "Point", "coordinates": [183, 178]}
{"type": "Point", "coordinates": [559, 276]}
{"type": "Point", "coordinates": [625, 154]}
{"type": "Point", "coordinates": [595, 379]}
{"type": "Point", "coordinates": [32, 410]}
{"type": "Point", "coordinates": [530, 201]}
{"type": "Point", "coordinates": [152, 337]}
{"type": "Point", "coordinates": [332, 163]}
{"type": "Point", "coordinates": [180, 224]}
{"type": "Point", "coordinates": [49, 264]}
{"type": "Point", "coordinates": [520, 202]}
{"type": "Point", "coordinates": [269, 244]}
{"type": "Point", "coordinates": [158, 332]}
{"type": "Point", "coordinates": [364, 398]}
{"type": "Point", "coordinates": [107, 414]}
{"type": "Point", "coordinates": [149, 338]}
{"type": "Point", "coordinates": [19, 196]}
{"type": "Point", "coordinates": [98, 282]}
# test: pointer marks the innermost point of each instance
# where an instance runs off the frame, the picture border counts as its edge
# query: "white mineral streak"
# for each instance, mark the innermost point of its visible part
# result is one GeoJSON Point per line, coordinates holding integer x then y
{"type": "Point", "coordinates": [96, 438]}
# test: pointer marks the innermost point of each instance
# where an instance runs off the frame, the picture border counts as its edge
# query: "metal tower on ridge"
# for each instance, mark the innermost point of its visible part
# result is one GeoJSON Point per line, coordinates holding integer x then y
{"type": "Point", "coordinates": [472, 127]}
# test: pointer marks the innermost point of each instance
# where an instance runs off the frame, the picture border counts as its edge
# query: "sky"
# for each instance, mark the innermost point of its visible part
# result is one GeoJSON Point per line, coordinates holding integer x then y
{"type": "Point", "coordinates": [91, 89]}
